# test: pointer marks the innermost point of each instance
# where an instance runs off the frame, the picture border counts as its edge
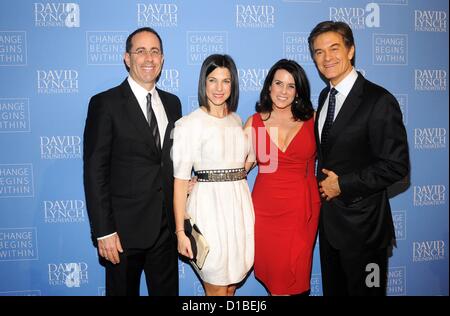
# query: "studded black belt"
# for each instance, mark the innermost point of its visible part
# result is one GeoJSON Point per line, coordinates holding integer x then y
{"type": "Point", "coordinates": [221, 175]}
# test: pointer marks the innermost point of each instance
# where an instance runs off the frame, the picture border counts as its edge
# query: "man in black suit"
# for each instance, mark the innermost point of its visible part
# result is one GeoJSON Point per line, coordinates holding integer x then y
{"type": "Point", "coordinates": [128, 174]}
{"type": "Point", "coordinates": [362, 150]}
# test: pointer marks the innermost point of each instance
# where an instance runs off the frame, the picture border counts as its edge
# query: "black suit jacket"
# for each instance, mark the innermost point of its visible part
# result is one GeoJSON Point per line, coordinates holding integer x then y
{"type": "Point", "coordinates": [127, 180]}
{"type": "Point", "coordinates": [367, 148]}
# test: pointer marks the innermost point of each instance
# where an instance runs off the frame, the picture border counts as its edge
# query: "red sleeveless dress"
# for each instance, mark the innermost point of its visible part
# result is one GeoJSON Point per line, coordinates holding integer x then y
{"type": "Point", "coordinates": [287, 203]}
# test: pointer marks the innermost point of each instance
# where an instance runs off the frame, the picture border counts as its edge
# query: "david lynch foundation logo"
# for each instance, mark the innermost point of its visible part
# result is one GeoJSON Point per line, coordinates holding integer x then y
{"type": "Point", "coordinates": [14, 115]}
{"type": "Point", "coordinates": [296, 47]}
{"type": "Point", "coordinates": [255, 16]}
{"type": "Point", "coordinates": [157, 14]}
{"type": "Point", "coordinates": [430, 21]}
{"type": "Point", "coordinates": [396, 282]}
{"type": "Point", "coordinates": [181, 270]}
{"type": "Point", "coordinates": [71, 274]}
{"type": "Point", "coordinates": [390, 49]}
{"type": "Point", "coordinates": [16, 180]}
{"type": "Point", "coordinates": [169, 80]}
{"type": "Point", "coordinates": [399, 218]}
{"type": "Point", "coordinates": [430, 79]}
{"type": "Point", "coordinates": [64, 211]}
{"type": "Point", "coordinates": [57, 81]}
{"type": "Point", "coordinates": [316, 284]}
{"type": "Point", "coordinates": [356, 17]}
{"type": "Point", "coordinates": [252, 79]}
{"type": "Point", "coordinates": [61, 147]}
{"type": "Point", "coordinates": [192, 104]}
{"type": "Point", "coordinates": [56, 14]}
{"type": "Point", "coordinates": [18, 244]}
{"type": "Point", "coordinates": [428, 250]}
{"type": "Point", "coordinates": [204, 43]}
{"type": "Point", "coordinates": [13, 48]}
{"type": "Point", "coordinates": [431, 138]}
{"type": "Point", "coordinates": [105, 48]}
{"type": "Point", "coordinates": [429, 195]}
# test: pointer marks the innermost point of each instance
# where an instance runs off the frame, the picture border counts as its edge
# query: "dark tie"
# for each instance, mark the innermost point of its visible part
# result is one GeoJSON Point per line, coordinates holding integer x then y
{"type": "Point", "coordinates": [330, 117]}
{"type": "Point", "coordinates": [151, 118]}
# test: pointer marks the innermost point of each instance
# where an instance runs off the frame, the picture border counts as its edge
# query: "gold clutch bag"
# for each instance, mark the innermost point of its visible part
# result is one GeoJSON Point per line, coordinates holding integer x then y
{"type": "Point", "coordinates": [200, 247]}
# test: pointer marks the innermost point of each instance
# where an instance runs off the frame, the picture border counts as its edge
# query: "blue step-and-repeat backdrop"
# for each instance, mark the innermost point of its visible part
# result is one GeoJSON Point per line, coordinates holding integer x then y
{"type": "Point", "coordinates": [55, 55]}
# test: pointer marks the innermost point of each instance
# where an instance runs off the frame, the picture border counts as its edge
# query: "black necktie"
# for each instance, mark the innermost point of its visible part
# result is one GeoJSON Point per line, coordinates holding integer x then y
{"type": "Point", "coordinates": [151, 118]}
{"type": "Point", "coordinates": [330, 116]}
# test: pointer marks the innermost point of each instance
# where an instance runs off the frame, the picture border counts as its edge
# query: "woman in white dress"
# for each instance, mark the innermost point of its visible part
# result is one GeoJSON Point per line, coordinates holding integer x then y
{"type": "Point", "coordinates": [211, 140]}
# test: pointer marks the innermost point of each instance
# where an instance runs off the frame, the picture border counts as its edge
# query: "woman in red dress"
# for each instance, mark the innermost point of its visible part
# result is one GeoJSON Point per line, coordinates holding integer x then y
{"type": "Point", "coordinates": [285, 194]}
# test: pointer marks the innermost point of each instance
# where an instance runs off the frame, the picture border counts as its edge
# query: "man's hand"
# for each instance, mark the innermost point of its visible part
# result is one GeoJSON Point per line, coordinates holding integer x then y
{"type": "Point", "coordinates": [109, 248]}
{"type": "Point", "coordinates": [329, 188]}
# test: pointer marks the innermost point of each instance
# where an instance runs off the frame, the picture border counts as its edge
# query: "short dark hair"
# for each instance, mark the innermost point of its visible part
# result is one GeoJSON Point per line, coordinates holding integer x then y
{"type": "Point", "coordinates": [332, 26]}
{"type": "Point", "coordinates": [209, 65]}
{"type": "Point", "coordinates": [142, 29]}
{"type": "Point", "coordinates": [301, 107]}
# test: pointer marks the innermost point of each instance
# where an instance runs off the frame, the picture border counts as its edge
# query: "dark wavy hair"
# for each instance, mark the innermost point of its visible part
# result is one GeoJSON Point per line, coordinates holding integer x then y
{"type": "Point", "coordinates": [209, 65]}
{"type": "Point", "coordinates": [301, 108]}
{"type": "Point", "coordinates": [339, 27]}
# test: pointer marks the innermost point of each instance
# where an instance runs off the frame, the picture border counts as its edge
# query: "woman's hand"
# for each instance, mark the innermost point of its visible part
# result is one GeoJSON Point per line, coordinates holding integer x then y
{"type": "Point", "coordinates": [191, 184]}
{"type": "Point", "coordinates": [184, 245]}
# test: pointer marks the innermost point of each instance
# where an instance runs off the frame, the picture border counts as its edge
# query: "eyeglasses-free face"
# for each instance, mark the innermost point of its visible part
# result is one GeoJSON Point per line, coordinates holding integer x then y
{"type": "Point", "coordinates": [332, 57]}
{"type": "Point", "coordinates": [218, 87]}
{"type": "Point", "coordinates": [282, 90]}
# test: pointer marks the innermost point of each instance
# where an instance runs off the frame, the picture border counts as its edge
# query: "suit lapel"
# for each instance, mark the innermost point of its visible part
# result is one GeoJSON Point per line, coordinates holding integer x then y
{"type": "Point", "coordinates": [134, 112]}
{"type": "Point", "coordinates": [170, 118]}
{"type": "Point", "coordinates": [350, 105]}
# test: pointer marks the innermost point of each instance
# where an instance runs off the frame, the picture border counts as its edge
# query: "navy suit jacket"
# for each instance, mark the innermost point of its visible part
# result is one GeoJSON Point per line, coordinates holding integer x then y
{"type": "Point", "coordinates": [367, 148]}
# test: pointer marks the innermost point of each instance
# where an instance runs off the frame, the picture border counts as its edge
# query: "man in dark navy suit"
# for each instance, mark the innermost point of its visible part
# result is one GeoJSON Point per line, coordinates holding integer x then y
{"type": "Point", "coordinates": [362, 149]}
{"type": "Point", "coordinates": [128, 174]}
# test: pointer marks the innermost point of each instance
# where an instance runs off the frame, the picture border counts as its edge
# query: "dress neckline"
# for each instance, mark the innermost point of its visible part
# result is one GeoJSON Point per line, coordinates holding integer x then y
{"type": "Point", "coordinates": [215, 117]}
{"type": "Point", "coordinates": [270, 138]}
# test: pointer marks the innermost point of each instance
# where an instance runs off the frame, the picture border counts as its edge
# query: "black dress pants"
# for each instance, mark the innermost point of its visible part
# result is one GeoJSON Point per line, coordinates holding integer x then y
{"type": "Point", "coordinates": [159, 263]}
{"type": "Point", "coordinates": [352, 272]}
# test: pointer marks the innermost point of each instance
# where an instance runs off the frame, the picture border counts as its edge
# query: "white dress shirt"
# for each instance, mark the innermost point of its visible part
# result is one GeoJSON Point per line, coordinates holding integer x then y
{"type": "Point", "coordinates": [141, 95]}
{"type": "Point", "coordinates": [343, 89]}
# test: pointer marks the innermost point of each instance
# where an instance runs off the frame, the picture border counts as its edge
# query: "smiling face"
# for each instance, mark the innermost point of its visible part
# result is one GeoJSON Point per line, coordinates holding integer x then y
{"type": "Point", "coordinates": [282, 89]}
{"type": "Point", "coordinates": [146, 67]}
{"type": "Point", "coordinates": [218, 87]}
{"type": "Point", "coordinates": [332, 57]}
